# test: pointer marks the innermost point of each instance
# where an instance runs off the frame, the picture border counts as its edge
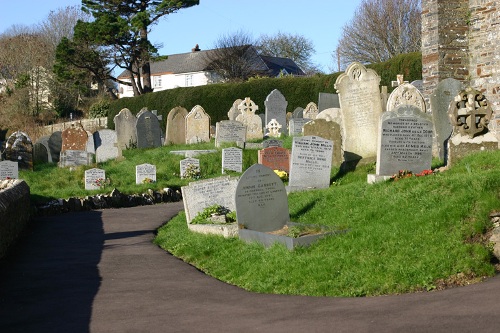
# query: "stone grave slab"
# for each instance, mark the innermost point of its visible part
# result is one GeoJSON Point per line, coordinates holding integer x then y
{"type": "Point", "coordinates": [327, 100]}
{"type": "Point", "coordinates": [252, 121]}
{"type": "Point", "coordinates": [93, 177]}
{"type": "Point", "coordinates": [175, 132]}
{"type": "Point", "coordinates": [230, 131]}
{"type": "Point", "coordinates": [405, 141]}
{"type": "Point", "coordinates": [106, 143]}
{"type": "Point", "coordinates": [232, 159]}
{"type": "Point", "coordinates": [74, 138]}
{"type": "Point", "coordinates": [311, 163]}
{"type": "Point", "coordinates": [361, 106]}
{"type": "Point", "coordinates": [19, 148]}
{"type": "Point", "coordinates": [329, 130]}
{"type": "Point", "coordinates": [188, 166]}
{"type": "Point", "coordinates": [275, 158]}
{"type": "Point", "coordinates": [295, 126]}
{"type": "Point", "coordinates": [69, 158]}
{"type": "Point", "coordinates": [197, 126]}
{"type": "Point", "coordinates": [148, 130]}
{"type": "Point", "coordinates": [275, 104]}
{"type": "Point", "coordinates": [9, 170]}
{"type": "Point", "coordinates": [145, 173]}
{"type": "Point", "coordinates": [125, 127]}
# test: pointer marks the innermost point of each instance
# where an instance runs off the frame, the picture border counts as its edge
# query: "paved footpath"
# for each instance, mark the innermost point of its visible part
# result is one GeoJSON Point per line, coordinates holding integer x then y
{"type": "Point", "coordinates": [98, 271]}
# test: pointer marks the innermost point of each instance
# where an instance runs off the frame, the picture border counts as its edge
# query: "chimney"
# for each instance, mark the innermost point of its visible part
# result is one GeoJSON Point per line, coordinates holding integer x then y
{"type": "Point", "coordinates": [196, 48]}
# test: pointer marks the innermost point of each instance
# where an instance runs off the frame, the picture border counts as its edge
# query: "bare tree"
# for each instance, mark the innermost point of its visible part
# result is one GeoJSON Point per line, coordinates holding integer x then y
{"type": "Point", "coordinates": [380, 30]}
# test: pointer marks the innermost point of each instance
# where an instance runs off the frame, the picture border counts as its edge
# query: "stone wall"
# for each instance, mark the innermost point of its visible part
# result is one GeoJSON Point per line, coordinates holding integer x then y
{"type": "Point", "coordinates": [90, 125]}
{"type": "Point", "coordinates": [14, 211]}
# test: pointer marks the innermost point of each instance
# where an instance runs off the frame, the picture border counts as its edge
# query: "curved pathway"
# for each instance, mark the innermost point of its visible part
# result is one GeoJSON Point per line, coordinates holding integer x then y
{"type": "Point", "coordinates": [99, 272]}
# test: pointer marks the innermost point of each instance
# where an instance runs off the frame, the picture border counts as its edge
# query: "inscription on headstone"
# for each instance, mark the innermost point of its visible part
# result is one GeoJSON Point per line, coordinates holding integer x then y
{"type": "Point", "coordinates": [295, 126]}
{"type": "Point", "coordinates": [276, 158]}
{"type": "Point", "coordinates": [329, 130]}
{"type": "Point", "coordinates": [230, 131]}
{"type": "Point", "coordinates": [145, 173]}
{"type": "Point", "coordinates": [9, 170]}
{"type": "Point", "coordinates": [94, 178]}
{"type": "Point", "coordinates": [70, 158]}
{"type": "Point", "coordinates": [232, 159]}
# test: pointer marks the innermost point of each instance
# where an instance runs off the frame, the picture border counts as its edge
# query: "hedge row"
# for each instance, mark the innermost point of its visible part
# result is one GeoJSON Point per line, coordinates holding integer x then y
{"type": "Point", "coordinates": [217, 99]}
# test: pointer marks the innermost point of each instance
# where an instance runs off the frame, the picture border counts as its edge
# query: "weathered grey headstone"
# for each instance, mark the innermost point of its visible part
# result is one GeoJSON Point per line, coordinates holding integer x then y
{"type": "Point", "coordinates": [175, 132]}
{"type": "Point", "coordinates": [145, 173]}
{"type": "Point", "coordinates": [55, 144]}
{"type": "Point", "coordinates": [406, 94]}
{"type": "Point", "coordinates": [311, 163]}
{"type": "Point", "coordinates": [106, 143]}
{"type": "Point", "coordinates": [90, 143]}
{"type": "Point", "coordinates": [276, 158]}
{"type": "Point", "coordinates": [298, 113]}
{"type": "Point", "coordinates": [189, 167]}
{"type": "Point", "coordinates": [230, 131]}
{"type": "Point", "coordinates": [272, 143]}
{"type": "Point", "coordinates": [248, 117]}
{"type": "Point", "coordinates": [125, 127]}
{"type": "Point", "coordinates": [419, 84]}
{"type": "Point", "coordinates": [361, 107]}
{"type": "Point", "coordinates": [9, 170]}
{"type": "Point", "coordinates": [19, 148]}
{"type": "Point", "coordinates": [232, 159]}
{"type": "Point", "coordinates": [261, 190]}
{"type": "Point", "coordinates": [40, 153]}
{"type": "Point", "coordinates": [327, 100]}
{"type": "Point", "coordinates": [197, 126]}
{"type": "Point", "coordinates": [331, 114]}
{"type": "Point", "coordinates": [234, 112]}
{"type": "Point", "coordinates": [69, 158]}
{"type": "Point", "coordinates": [295, 126]}
{"type": "Point", "coordinates": [405, 141]}
{"type": "Point", "coordinates": [74, 138]}
{"type": "Point", "coordinates": [440, 101]}
{"type": "Point", "coordinates": [275, 104]}
{"type": "Point", "coordinates": [93, 178]}
{"type": "Point", "coordinates": [148, 130]}
{"type": "Point", "coordinates": [329, 130]}
{"type": "Point", "coordinates": [311, 111]}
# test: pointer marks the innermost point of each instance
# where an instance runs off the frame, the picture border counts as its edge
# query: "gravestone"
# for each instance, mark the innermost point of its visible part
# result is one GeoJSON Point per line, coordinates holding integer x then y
{"type": "Point", "coordinates": [329, 130]}
{"type": "Point", "coordinates": [9, 170]}
{"type": "Point", "coordinates": [145, 173]}
{"type": "Point", "coordinates": [295, 126]}
{"type": "Point", "coordinates": [41, 151]}
{"type": "Point", "coordinates": [93, 178]}
{"type": "Point", "coordinates": [248, 117]}
{"type": "Point", "coordinates": [298, 113]}
{"type": "Point", "coordinates": [406, 94]}
{"type": "Point", "coordinates": [361, 107]}
{"type": "Point", "coordinates": [261, 191]}
{"type": "Point", "coordinates": [69, 158]}
{"type": "Point", "coordinates": [419, 84]}
{"type": "Point", "coordinates": [90, 143]}
{"type": "Point", "coordinates": [272, 143]}
{"type": "Point", "coordinates": [440, 101]}
{"type": "Point", "coordinates": [106, 143]}
{"type": "Point", "coordinates": [125, 127]}
{"type": "Point", "coordinates": [276, 158]}
{"type": "Point", "coordinates": [273, 129]}
{"type": "Point", "coordinates": [327, 100]}
{"type": "Point", "coordinates": [148, 130]}
{"type": "Point", "coordinates": [232, 159]}
{"type": "Point", "coordinates": [275, 104]}
{"type": "Point", "coordinates": [55, 144]}
{"type": "Point", "coordinates": [19, 148]}
{"type": "Point", "coordinates": [175, 132]}
{"type": "Point", "coordinates": [234, 112]}
{"type": "Point", "coordinates": [197, 126]}
{"type": "Point", "coordinates": [405, 141]}
{"type": "Point", "coordinates": [311, 163]}
{"type": "Point", "coordinates": [230, 131]}
{"type": "Point", "coordinates": [74, 138]}
{"type": "Point", "coordinates": [189, 167]}
{"type": "Point", "coordinates": [311, 111]}
{"type": "Point", "coordinates": [331, 114]}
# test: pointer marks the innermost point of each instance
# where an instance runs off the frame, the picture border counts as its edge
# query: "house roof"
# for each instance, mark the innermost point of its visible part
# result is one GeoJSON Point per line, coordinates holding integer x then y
{"type": "Point", "coordinates": [197, 61]}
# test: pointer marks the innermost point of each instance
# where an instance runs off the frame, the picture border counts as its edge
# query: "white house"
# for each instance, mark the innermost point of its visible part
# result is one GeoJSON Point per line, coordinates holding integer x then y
{"type": "Point", "coordinates": [191, 69]}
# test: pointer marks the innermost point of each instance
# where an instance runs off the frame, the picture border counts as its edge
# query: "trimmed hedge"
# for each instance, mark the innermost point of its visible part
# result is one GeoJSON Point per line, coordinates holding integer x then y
{"type": "Point", "coordinates": [217, 99]}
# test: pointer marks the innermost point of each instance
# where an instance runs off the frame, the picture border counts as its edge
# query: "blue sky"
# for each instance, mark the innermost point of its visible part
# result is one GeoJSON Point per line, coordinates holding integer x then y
{"type": "Point", "coordinates": [320, 21]}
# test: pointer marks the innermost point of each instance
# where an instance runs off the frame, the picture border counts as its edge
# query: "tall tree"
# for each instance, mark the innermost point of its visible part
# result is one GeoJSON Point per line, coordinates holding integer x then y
{"type": "Point", "coordinates": [380, 30]}
{"type": "Point", "coordinates": [121, 27]}
{"type": "Point", "coordinates": [295, 47]}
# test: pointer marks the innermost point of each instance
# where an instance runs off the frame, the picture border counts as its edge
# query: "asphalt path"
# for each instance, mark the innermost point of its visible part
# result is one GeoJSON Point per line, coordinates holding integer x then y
{"type": "Point", "coordinates": [99, 271]}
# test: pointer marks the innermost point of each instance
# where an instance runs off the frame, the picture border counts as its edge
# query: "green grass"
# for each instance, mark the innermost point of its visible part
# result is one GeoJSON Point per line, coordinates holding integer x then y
{"type": "Point", "coordinates": [404, 236]}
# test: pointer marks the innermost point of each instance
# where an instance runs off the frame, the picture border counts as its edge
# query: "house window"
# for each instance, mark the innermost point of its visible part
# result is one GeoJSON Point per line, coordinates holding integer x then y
{"type": "Point", "coordinates": [157, 82]}
{"type": "Point", "coordinates": [189, 80]}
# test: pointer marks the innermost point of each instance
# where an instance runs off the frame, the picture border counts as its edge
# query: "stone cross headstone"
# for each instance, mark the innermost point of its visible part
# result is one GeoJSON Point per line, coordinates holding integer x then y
{"type": "Point", "coordinates": [126, 130]}
{"type": "Point", "coordinates": [197, 126]}
{"type": "Point", "coordinates": [175, 133]}
{"type": "Point", "coordinates": [94, 178]}
{"type": "Point", "coordinates": [9, 170]}
{"type": "Point", "coordinates": [440, 101]}
{"type": "Point", "coordinates": [74, 138]}
{"type": "Point", "coordinates": [273, 129]}
{"type": "Point", "coordinates": [406, 94]}
{"type": "Point", "coordinates": [327, 100]}
{"type": "Point", "coordinates": [19, 148]}
{"type": "Point", "coordinates": [329, 130]}
{"type": "Point", "coordinates": [55, 144]}
{"type": "Point", "coordinates": [405, 141]}
{"type": "Point", "coordinates": [311, 163]}
{"type": "Point", "coordinates": [275, 104]}
{"type": "Point", "coordinates": [234, 112]}
{"type": "Point", "coordinates": [295, 126]}
{"type": "Point", "coordinates": [311, 111]}
{"type": "Point", "coordinates": [276, 158]}
{"type": "Point", "coordinates": [260, 191]}
{"type": "Point", "coordinates": [148, 130]}
{"type": "Point", "coordinates": [399, 81]}
{"type": "Point", "coordinates": [190, 168]}
{"type": "Point", "coordinates": [229, 131]}
{"type": "Point", "coordinates": [361, 107]}
{"type": "Point", "coordinates": [252, 121]}
{"type": "Point", "coordinates": [232, 159]}
{"type": "Point", "coordinates": [106, 143]}
{"type": "Point", "coordinates": [145, 173]}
